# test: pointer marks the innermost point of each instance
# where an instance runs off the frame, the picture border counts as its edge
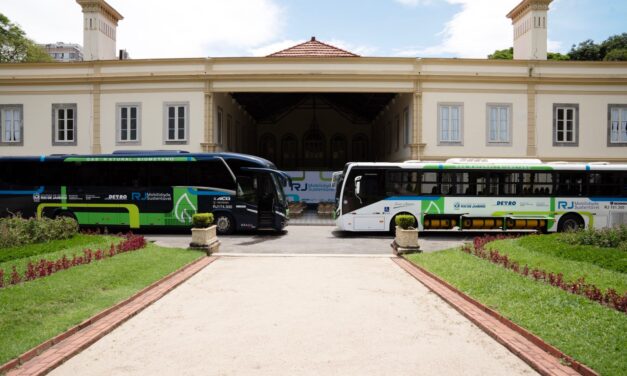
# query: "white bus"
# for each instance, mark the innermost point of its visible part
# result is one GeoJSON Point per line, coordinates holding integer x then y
{"type": "Point", "coordinates": [482, 195]}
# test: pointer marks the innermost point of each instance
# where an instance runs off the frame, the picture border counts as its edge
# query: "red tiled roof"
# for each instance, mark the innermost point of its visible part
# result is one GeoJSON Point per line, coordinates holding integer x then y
{"type": "Point", "coordinates": [313, 48]}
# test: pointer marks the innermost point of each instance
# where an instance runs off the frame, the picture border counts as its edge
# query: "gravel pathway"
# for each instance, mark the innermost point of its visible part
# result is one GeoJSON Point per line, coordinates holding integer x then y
{"type": "Point", "coordinates": [298, 315]}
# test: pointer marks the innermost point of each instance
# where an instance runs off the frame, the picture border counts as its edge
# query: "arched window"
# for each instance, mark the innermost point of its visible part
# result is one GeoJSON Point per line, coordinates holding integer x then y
{"type": "Point", "coordinates": [339, 153]}
{"type": "Point", "coordinates": [314, 149]}
{"type": "Point", "coordinates": [289, 152]}
{"type": "Point", "coordinates": [267, 147]}
{"type": "Point", "coordinates": [360, 148]}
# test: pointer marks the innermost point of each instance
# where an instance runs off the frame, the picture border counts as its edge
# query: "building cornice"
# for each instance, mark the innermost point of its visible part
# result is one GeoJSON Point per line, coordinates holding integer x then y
{"type": "Point", "coordinates": [526, 6]}
{"type": "Point", "coordinates": [101, 6]}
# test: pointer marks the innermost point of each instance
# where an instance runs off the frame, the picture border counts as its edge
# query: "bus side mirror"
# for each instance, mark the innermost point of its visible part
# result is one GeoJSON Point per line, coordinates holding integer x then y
{"type": "Point", "coordinates": [358, 187]}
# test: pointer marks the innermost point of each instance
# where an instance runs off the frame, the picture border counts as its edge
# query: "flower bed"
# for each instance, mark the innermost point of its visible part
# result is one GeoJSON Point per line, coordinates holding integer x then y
{"type": "Point", "coordinates": [44, 268]}
{"type": "Point", "coordinates": [609, 298]}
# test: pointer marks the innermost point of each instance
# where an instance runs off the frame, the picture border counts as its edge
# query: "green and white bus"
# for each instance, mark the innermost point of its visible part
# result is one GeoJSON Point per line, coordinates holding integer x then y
{"type": "Point", "coordinates": [146, 189]}
{"type": "Point", "coordinates": [482, 195]}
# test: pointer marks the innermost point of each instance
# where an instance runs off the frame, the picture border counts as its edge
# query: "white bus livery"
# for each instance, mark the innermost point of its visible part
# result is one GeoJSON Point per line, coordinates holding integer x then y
{"type": "Point", "coordinates": [482, 194]}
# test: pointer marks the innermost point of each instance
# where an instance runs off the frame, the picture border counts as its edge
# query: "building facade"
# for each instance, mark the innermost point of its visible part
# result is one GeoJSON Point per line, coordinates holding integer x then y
{"type": "Point", "coordinates": [315, 107]}
{"type": "Point", "coordinates": [64, 52]}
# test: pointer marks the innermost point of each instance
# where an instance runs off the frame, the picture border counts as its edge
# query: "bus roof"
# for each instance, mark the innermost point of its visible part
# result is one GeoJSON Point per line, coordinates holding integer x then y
{"type": "Point", "coordinates": [145, 155]}
{"type": "Point", "coordinates": [500, 164]}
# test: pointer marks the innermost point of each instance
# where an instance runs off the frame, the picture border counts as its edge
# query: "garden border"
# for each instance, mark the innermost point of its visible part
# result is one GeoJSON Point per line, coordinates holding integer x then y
{"type": "Point", "coordinates": [541, 356]}
{"type": "Point", "coordinates": [50, 354]}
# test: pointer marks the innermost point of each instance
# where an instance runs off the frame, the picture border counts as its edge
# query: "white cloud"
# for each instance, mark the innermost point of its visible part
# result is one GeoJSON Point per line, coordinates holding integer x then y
{"type": "Point", "coordinates": [273, 47]}
{"type": "Point", "coordinates": [413, 3]}
{"type": "Point", "coordinates": [359, 49]}
{"type": "Point", "coordinates": [157, 29]}
{"type": "Point", "coordinates": [479, 28]}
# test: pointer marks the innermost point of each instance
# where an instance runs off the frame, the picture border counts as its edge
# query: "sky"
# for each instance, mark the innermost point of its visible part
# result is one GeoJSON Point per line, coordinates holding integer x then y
{"type": "Point", "coordinates": [409, 28]}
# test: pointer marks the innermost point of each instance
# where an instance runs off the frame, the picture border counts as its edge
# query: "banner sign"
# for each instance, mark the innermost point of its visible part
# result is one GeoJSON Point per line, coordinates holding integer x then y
{"type": "Point", "coordinates": [311, 187]}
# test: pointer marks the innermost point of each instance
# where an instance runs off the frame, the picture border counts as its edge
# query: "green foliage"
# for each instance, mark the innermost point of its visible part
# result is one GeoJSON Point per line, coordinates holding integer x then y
{"type": "Point", "coordinates": [613, 43]}
{"type": "Point", "coordinates": [15, 47]}
{"type": "Point", "coordinates": [202, 220]}
{"type": "Point", "coordinates": [603, 267]}
{"type": "Point", "coordinates": [405, 221]}
{"type": "Point", "coordinates": [557, 56]}
{"type": "Point", "coordinates": [16, 231]}
{"type": "Point", "coordinates": [619, 54]}
{"type": "Point", "coordinates": [606, 237]}
{"type": "Point", "coordinates": [73, 245]}
{"type": "Point", "coordinates": [586, 50]}
{"type": "Point", "coordinates": [33, 312]}
{"type": "Point", "coordinates": [583, 329]}
{"type": "Point", "coordinates": [506, 54]}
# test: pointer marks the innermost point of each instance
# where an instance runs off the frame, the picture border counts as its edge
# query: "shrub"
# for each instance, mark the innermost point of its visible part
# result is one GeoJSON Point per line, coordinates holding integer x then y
{"type": "Point", "coordinates": [606, 237]}
{"type": "Point", "coordinates": [405, 221]}
{"type": "Point", "coordinates": [16, 231]}
{"type": "Point", "coordinates": [202, 220]}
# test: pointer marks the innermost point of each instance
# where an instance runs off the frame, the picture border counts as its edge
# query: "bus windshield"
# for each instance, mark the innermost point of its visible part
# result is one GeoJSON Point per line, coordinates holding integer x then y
{"type": "Point", "coordinates": [279, 190]}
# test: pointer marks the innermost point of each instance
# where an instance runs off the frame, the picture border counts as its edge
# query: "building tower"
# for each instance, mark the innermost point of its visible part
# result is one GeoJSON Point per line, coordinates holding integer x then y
{"type": "Point", "coordinates": [530, 22]}
{"type": "Point", "coordinates": [100, 23]}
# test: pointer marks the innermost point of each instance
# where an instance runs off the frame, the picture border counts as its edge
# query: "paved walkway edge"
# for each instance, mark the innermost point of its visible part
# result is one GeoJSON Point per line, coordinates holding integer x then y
{"type": "Point", "coordinates": [541, 356]}
{"type": "Point", "coordinates": [52, 353]}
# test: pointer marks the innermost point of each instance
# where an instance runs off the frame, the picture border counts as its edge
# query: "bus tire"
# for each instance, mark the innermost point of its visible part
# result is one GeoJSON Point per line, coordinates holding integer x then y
{"type": "Point", "coordinates": [225, 224]}
{"type": "Point", "coordinates": [570, 222]}
{"type": "Point", "coordinates": [393, 222]}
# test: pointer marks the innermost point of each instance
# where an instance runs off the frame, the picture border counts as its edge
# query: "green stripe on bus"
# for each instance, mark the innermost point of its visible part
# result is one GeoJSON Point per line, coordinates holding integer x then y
{"type": "Point", "coordinates": [129, 159]}
{"type": "Point", "coordinates": [133, 210]}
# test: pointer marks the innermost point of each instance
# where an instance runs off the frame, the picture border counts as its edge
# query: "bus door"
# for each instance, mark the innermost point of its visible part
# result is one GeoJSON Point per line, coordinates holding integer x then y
{"type": "Point", "coordinates": [369, 192]}
{"type": "Point", "coordinates": [266, 197]}
{"type": "Point", "coordinates": [247, 203]}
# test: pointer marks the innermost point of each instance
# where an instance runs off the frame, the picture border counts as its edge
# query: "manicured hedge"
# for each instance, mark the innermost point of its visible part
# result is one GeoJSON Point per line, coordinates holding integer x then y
{"type": "Point", "coordinates": [16, 231]}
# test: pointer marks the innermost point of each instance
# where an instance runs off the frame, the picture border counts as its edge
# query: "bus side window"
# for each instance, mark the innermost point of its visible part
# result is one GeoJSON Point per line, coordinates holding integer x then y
{"type": "Point", "coordinates": [429, 184]}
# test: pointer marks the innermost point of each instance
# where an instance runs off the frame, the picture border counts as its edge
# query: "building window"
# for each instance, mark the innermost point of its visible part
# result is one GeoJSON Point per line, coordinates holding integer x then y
{"type": "Point", "coordinates": [229, 131]}
{"type": "Point", "coordinates": [220, 126]}
{"type": "Point", "coordinates": [617, 128]}
{"type": "Point", "coordinates": [388, 138]}
{"type": "Point", "coordinates": [176, 123]}
{"type": "Point", "coordinates": [128, 123]}
{"type": "Point", "coordinates": [289, 152]}
{"type": "Point", "coordinates": [339, 152]}
{"type": "Point", "coordinates": [499, 124]}
{"type": "Point", "coordinates": [565, 124]}
{"type": "Point", "coordinates": [406, 129]}
{"type": "Point", "coordinates": [397, 130]}
{"type": "Point", "coordinates": [359, 148]}
{"type": "Point", "coordinates": [267, 147]}
{"type": "Point", "coordinates": [450, 123]}
{"type": "Point", "coordinates": [64, 124]}
{"type": "Point", "coordinates": [11, 124]}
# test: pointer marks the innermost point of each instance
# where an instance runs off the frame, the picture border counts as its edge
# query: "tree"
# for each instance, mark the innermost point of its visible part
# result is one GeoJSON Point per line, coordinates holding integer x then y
{"type": "Point", "coordinates": [586, 50]}
{"type": "Point", "coordinates": [506, 54]}
{"type": "Point", "coordinates": [619, 54]}
{"type": "Point", "coordinates": [613, 44]}
{"type": "Point", "coordinates": [15, 47]}
{"type": "Point", "coordinates": [557, 56]}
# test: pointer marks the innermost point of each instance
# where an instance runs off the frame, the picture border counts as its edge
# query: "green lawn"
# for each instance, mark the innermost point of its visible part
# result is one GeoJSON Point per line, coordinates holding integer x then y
{"type": "Point", "coordinates": [20, 256]}
{"type": "Point", "coordinates": [574, 261]}
{"type": "Point", "coordinates": [35, 311]}
{"type": "Point", "coordinates": [583, 329]}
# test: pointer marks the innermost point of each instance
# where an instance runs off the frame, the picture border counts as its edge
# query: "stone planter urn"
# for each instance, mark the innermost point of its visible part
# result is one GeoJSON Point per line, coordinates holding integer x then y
{"type": "Point", "coordinates": [204, 235]}
{"type": "Point", "coordinates": [406, 239]}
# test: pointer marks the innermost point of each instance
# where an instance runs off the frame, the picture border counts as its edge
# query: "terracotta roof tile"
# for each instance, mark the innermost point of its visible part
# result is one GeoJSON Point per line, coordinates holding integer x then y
{"type": "Point", "coordinates": [313, 48]}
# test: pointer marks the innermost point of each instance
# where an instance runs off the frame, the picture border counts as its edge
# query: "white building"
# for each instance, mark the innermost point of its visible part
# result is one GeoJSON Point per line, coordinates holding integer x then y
{"type": "Point", "coordinates": [64, 52]}
{"type": "Point", "coordinates": [315, 106]}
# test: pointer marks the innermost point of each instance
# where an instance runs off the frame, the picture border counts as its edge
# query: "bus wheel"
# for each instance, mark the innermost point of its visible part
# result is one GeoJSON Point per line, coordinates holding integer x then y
{"type": "Point", "coordinates": [570, 222]}
{"type": "Point", "coordinates": [225, 224]}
